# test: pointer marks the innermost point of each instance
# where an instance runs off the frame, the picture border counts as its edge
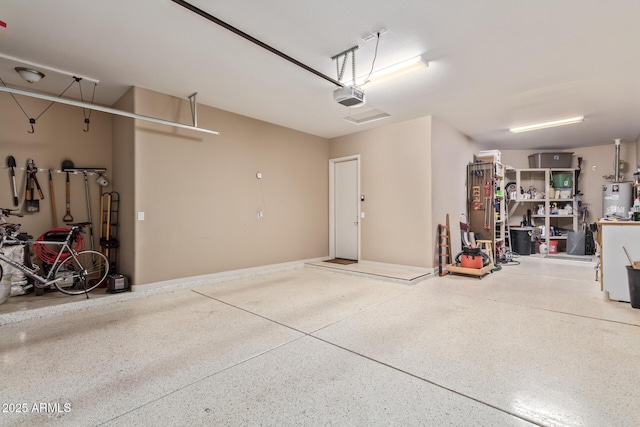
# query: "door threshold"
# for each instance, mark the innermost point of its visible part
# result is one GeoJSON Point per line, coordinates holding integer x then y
{"type": "Point", "coordinates": [342, 261]}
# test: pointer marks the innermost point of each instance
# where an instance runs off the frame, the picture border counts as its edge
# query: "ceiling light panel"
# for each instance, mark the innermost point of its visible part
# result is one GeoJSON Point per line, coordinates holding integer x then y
{"type": "Point", "coordinates": [545, 125]}
{"type": "Point", "coordinates": [393, 71]}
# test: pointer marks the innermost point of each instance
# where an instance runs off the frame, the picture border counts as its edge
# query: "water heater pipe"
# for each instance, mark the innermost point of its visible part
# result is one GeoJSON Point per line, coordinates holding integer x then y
{"type": "Point", "coordinates": [638, 154]}
{"type": "Point", "coordinates": [617, 168]}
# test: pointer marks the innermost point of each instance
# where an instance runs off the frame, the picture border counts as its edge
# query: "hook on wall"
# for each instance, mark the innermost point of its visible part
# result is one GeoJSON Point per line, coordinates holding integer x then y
{"type": "Point", "coordinates": [86, 122]}
{"type": "Point", "coordinates": [32, 122]}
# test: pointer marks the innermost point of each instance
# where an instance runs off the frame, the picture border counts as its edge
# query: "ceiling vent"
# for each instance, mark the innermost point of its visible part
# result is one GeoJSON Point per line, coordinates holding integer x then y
{"type": "Point", "coordinates": [366, 115]}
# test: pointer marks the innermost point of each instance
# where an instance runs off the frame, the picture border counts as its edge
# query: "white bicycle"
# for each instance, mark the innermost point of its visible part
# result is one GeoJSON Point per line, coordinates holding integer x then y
{"type": "Point", "coordinates": [71, 272]}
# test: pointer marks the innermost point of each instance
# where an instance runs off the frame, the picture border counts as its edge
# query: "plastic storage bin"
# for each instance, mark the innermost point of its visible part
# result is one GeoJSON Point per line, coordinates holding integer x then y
{"type": "Point", "coordinates": [521, 240]}
{"type": "Point", "coordinates": [576, 242]}
{"type": "Point", "coordinates": [550, 160]}
{"type": "Point", "coordinates": [563, 180]}
{"type": "Point", "coordinates": [634, 286]}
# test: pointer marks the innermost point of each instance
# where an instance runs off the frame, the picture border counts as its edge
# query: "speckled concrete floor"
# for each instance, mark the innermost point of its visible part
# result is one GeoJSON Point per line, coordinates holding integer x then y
{"type": "Point", "coordinates": [535, 344]}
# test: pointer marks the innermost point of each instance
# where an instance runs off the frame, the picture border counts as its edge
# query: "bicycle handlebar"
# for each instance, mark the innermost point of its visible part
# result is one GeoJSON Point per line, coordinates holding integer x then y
{"type": "Point", "coordinates": [11, 212]}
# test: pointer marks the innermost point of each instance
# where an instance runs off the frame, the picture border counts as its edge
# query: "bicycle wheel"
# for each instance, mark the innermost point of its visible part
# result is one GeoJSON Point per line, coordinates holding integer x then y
{"type": "Point", "coordinates": [83, 275]}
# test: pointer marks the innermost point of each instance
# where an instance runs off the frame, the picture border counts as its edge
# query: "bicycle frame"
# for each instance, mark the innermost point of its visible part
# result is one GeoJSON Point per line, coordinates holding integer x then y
{"type": "Point", "coordinates": [33, 272]}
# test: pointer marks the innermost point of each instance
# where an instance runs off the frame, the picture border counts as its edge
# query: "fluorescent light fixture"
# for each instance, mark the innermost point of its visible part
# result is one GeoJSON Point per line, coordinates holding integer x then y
{"type": "Point", "coordinates": [407, 66]}
{"type": "Point", "coordinates": [545, 125]}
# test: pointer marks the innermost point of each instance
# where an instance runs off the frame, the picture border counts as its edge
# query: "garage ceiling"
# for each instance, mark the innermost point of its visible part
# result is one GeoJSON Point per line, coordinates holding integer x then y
{"type": "Point", "coordinates": [493, 64]}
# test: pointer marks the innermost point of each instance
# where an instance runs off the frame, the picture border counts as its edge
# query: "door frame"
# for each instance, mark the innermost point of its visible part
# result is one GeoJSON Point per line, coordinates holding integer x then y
{"type": "Point", "coordinates": [332, 214]}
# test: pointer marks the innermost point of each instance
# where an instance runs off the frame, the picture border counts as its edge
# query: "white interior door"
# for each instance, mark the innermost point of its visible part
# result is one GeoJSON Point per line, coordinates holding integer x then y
{"type": "Point", "coordinates": [346, 209]}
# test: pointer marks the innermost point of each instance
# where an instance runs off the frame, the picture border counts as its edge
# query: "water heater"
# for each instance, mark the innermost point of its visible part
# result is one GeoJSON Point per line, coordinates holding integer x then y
{"type": "Point", "coordinates": [617, 198]}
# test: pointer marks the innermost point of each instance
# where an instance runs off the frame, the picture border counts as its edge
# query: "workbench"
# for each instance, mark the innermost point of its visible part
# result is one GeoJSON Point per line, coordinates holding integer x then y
{"type": "Point", "coordinates": [613, 271]}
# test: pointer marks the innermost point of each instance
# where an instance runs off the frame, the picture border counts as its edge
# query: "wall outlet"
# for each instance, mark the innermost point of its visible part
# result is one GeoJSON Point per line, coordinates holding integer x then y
{"type": "Point", "coordinates": [140, 216]}
{"type": "Point", "coordinates": [260, 214]}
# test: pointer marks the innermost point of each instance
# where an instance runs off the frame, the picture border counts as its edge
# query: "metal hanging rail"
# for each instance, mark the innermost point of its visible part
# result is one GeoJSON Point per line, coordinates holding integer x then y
{"type": "Point", "coordinates": [80, 171]}
{"type": "Point", "coordinates": [252, 39]}
{"type": "Point", "coordinates": [104, 109]}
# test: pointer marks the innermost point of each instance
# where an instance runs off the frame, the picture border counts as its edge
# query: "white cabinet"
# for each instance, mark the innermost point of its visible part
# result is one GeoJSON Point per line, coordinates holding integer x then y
{"type": "Point", "coordinates": [613, 271]}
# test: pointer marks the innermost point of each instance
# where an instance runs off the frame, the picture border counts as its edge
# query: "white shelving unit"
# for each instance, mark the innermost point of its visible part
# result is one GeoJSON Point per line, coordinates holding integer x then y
{"type": "Point", "coordinates": [536, 186]}
{"type": "Point", "coordinates": [499, 225]}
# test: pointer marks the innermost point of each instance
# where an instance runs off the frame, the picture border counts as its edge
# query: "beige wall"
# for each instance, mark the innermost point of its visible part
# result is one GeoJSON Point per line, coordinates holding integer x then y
{"type": "Point", "coordinates": [451, 151]}
{"type": "Point", "coordinates": [200, 193]}
{"type": "Point", "coordinates": [602, 157]}
{"type": "Point", "coordinates": [396, 181]}
{"type": "Point", "coordinates": [58, 135]}
{"type": "Point", "coordinates": [123, 182]}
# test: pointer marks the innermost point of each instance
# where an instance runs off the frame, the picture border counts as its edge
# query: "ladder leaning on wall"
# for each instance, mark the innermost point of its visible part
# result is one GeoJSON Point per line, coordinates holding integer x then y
{"type": "Point", "coordinates": [444, 247]}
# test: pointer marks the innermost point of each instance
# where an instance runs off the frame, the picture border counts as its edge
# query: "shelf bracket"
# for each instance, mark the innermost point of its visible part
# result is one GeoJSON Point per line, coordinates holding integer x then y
{"type": "Point", "coordinates": [194, 108]}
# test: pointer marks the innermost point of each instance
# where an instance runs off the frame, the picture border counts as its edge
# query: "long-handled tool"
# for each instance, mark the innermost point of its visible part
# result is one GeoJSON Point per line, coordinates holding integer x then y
{"type": "Point", "coordinates": [487, 206]}
{"type": "Point", "coordinates": [33, 205]}
{"type": "Point", "coordinates": [86, 191]}
{"type": "Point", "coordinates": [67, 164]}
{"type": "Point", "coordinates": [11, 162]}
{"type": "Point", "coordinates": [54, 215]}
{"type": "Point", "coordinates": [633, 264]}
{"type": "Point", "coordinates": [34, 171]}
{"type": "Point", "coordinates": [27, 191]}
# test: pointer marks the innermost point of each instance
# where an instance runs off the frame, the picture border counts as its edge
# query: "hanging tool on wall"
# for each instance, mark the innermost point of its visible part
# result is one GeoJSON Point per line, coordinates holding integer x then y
{"type": "Point", "coordinates": [11, 163]}
{"type": "Point", "coordinates": [33, 205]}
{"type": "Point", "coordinates": [487, 206]}
{"type": "Point", "coordinates": [476, 193]}
{"type": "Point", "coordinates": [27, 190]}
{"type": "Point", "coordinates": [86, 191]}
{"type": "Point", "coordinates": [54, 215]}
{"type": "Point", "coordinates": [578, 194]}
{"type": "Point", "coordinates": [66, 165]}
{"type": "Point", "coordinates": [109, 206]}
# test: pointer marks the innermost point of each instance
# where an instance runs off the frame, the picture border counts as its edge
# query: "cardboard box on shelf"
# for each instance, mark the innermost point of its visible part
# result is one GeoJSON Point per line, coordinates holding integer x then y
{"type": "Point", "coordinates": [489, 156]}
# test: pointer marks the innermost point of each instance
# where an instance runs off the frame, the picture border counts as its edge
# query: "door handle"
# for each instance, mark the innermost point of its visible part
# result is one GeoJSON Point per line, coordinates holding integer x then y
{"type": "Point", "coordinates": [355, 222]}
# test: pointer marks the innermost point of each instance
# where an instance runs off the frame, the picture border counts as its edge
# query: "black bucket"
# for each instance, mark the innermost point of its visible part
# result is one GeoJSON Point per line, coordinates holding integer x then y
{"type": "Point", "coordinates": [634, 286]}
{"type": "Point", "coordinates": [521, 240]}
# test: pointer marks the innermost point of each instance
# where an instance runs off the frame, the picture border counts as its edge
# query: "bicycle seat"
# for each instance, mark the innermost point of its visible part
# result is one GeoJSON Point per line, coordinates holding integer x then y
{"type": "Point", "coordinates": [79, 224]}
{"type": "Point", "coordinates": [7, 228]}
{"type": "Point", "coordinates": [24, 237]}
